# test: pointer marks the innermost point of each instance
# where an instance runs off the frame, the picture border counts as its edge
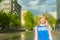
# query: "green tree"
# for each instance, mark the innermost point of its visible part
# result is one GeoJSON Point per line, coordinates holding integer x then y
{"type": "Point", "coordinates": [51, 19]}
{"type": "Point", "coordinates": [8, 20]}
{"type": "Point", "coordinates": [36, 21]}
{"type": "Point", "coordinates": [1, 0]}
{"type": "Point", "coordinates": [14, 20]}
{"type": "Point", "coordinates": [4, 20]}
{"type": "Point", "coordinates": [29, 19]}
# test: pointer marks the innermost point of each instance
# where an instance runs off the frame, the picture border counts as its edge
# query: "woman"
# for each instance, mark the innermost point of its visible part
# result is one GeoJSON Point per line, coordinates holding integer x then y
{"type": "Point", "coordinates": [42, 31]}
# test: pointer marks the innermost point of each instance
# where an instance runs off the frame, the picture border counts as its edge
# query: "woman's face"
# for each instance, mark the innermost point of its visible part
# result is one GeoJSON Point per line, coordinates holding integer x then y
{"type": "Point", "coordinates": [42, 20]}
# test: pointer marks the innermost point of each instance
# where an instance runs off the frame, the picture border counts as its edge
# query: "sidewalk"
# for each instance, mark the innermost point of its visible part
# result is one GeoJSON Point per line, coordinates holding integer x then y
{"type": "Point", "coordinates": [8, 35]}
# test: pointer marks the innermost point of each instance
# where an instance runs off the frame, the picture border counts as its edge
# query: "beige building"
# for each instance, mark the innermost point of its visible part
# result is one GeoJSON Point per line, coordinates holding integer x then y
{"type": "Point", "coordinates": [54, 14]}
{"type": "Point", "coordinates": [10, 6]}
{"type": "Point", "coordinates": [22, 18]}
{"type": "Point", "coordinates": [6, 5]}
{"type": "Point", "coordinates": [0, 6]}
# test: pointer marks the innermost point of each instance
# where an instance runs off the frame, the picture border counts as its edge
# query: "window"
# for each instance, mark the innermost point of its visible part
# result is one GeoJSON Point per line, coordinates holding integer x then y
{"type": "Point", "coordinates": [13, 0]}
{"type": "Point", "coordinates": [13, 5]}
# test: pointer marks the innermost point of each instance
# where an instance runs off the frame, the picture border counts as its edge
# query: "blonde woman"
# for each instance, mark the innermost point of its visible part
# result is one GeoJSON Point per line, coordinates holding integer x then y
{"type": "Point", "coordinates": [42, 31]}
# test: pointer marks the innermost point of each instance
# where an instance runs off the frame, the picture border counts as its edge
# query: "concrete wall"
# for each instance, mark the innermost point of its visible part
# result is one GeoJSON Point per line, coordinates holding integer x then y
{"type": "Point", "coordinates": [58, 9]}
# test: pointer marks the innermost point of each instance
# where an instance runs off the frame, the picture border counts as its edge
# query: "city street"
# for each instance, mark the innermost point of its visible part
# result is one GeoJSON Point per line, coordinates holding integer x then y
{"type": "Point", "coordinates": [26, 14]}
{"type": "Point", "coordinates": [29, 35]}
{"type": "Point", "coordinates": [56, 35]}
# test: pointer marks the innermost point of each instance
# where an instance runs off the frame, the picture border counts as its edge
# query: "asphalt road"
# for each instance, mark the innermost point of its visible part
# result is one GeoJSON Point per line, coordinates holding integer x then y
{"type": "Point", "coordinates": [56, 35]}
{"type": "Point", "coordinates": [27, 35]}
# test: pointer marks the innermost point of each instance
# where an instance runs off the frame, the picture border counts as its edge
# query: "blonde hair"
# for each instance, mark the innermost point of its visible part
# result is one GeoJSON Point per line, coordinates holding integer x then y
{"type": "Point", "coordinates": [40, 18]}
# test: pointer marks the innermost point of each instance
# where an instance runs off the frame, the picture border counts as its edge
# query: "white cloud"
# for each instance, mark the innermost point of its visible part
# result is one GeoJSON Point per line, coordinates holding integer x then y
{"type": "Point", "coordinates": [24, 7]}
{"type": "Point", "coordinates": [33, 3]}
{"type": "Point", "coordinates": [22, 4]}
{"type": "Point", "coordinates": [50, 2]}
{"type": "Point", "coordinates": [37, 7]}
{"type": "Point", "coordinates": [40, 8]}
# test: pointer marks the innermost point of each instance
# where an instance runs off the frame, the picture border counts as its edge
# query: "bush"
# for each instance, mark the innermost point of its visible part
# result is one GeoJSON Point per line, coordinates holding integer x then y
{"type": "Point", "coordinates": [8, 21]}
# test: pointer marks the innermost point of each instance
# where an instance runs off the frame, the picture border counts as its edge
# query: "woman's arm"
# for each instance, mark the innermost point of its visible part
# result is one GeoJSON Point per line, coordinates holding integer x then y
{"type": "Point", "coordinates": [50, 34]}
{"type": "Point", "coordinates": [35, 33]}
{"type": "Point", "coordinates": [49, 30]}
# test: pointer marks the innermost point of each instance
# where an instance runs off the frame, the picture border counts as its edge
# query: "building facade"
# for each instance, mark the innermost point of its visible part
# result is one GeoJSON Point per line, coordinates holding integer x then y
{"type": "Point", "coordinates": [22, 18]}
{"type": "Point", "coordinates": [5, 5]}
{"type": "Point", "coordinates": [10, 6]}
{"type": "Point", "coordinates": [58, 9]}
{"type": "Point", "coordinates": [15, 7]}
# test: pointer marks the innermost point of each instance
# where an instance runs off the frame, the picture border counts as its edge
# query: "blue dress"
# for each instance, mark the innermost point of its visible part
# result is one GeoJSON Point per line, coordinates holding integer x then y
{"type": "Point", "coordinates": [42, 33]}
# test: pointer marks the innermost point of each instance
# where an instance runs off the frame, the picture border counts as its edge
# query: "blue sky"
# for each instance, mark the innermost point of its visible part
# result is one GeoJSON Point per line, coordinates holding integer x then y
{"type": "Point", "coordinates": [38, 6]}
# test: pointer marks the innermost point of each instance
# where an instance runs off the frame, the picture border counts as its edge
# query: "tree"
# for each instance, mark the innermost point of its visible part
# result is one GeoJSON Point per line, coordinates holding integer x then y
{"type": "Point", "coordinates": [4, 19]}
{"type": "Point", "coordinates": [1, 0]}
{"type": "Point", "coordinates": [8, 20]}
{"type": "Point", "coordinates": [14, 20]}
{"type": "Point", "coordinates": [36, 21]}
{"type": "Point", "coordinates": [29, 19]}
{"type": "Point", "coordinates": [51, 19]}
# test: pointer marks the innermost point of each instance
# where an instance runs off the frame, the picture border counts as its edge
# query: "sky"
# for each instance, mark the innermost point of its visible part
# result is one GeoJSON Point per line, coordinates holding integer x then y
{"type": "Point", "coordinates": [38, 6]}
